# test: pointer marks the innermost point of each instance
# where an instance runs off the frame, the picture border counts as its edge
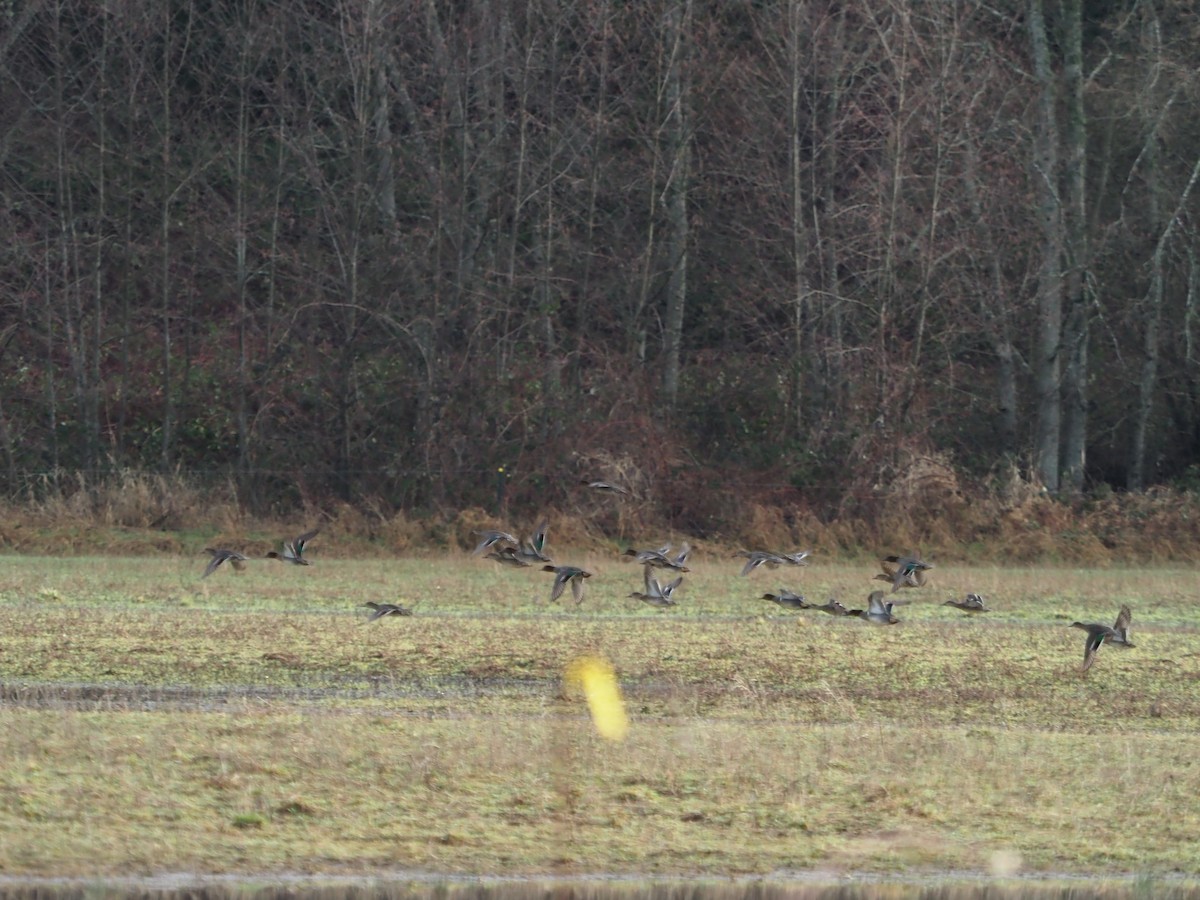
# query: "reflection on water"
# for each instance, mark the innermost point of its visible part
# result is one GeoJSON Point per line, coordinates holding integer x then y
{"type": "Point", "coordinates": [801, 886]}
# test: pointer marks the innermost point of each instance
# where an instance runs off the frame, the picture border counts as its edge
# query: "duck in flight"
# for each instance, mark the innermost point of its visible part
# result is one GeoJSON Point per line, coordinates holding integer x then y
{"type": "Point", "coordinates": [788, 600]}
{"type": "Point", "coordinates": [903, 571]}
{"type": "Point", "coordinates": [563, 575]}
{"type": "Point", "coordinates": [1098, 635]}
{"type": "Point", "coordinates": [386, 609]}
{"type": "Point", "coordinates": [877, 612]}
{"type": "Point", "coordinates": [973, 603]}
{"type": "Point", "coordinates": [220, 555]}
{"type": "Point", "coordinates": [293, 551]}
{"type": "Point", "coordinates": [656, 594]}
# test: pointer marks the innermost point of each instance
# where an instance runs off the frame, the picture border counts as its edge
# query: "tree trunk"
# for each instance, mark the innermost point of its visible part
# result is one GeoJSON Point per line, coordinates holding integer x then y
{"type": "Point", "coordinates": [385, 164]}
{"type": "Point", "coordinates": [1190, 367]}
{"type": "Point", "coordinates": [831, 378]}
{"type": "Point", "coordinates": [1076, 324]}
{"type": "Point", "coordinates": [679, 18]}
{"type": "Point", "coordinates": [548, 290]}
{"type": "Point", "coordinates": [100, 241]}
{"type": "Point", "coordinates": [518, 171]}
{"type": "Point", "coordinates": [241, 272]}
{"type": "Point", "coordinates": [70, 265]}
{"type": "Point", "coordinates": [1151, 323]}
{"type": "Point", "coordinates": [166, 453]}
{"type": "Point", "coordinates": [994, 310]}
{"type": "Point", "coordinates": [1047, 343]}
{"type": "Point", "coordinates": [801, 293]}
{"type": "Point", "coordinates": [51, 364]}
{"type": "Point", "coordinates": [598, 116]}
{"type": "Point", "coordinates": [1150, 339]}
{"type": "Point", "coordinates": [6, 438]}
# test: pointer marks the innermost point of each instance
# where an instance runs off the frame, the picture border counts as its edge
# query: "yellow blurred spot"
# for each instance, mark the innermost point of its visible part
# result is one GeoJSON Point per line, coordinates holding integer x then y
{"type": "Point", "coordinates": [595, 676]}
{"type": "Point", "coordinates": [1005, 863]}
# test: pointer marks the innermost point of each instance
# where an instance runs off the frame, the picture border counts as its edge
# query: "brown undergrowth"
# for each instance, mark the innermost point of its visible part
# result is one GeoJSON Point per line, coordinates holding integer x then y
{"type": "Point", "coordinates": [918, 503]}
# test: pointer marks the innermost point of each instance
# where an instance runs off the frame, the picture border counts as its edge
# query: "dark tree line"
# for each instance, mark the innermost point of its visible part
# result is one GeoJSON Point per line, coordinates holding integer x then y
{"type": "Point", "coordinates": [378, 249]}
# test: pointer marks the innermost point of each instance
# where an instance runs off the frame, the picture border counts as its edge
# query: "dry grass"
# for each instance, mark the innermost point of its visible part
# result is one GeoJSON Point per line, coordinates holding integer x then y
{"type": "Point", "coordinates": [150, 721]}
{"type": "Point", "coordinates": [260, 789]}
{"type": "Point", "coordinates": [913, 499]}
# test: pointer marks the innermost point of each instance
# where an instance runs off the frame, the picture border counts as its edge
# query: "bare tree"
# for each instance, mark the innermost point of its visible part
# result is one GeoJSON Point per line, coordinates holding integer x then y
{"type": "Point", "coordinates": [802, 330]}
{"type": "Point", "coordinates": [1152, 316]}
{"type": "Point", "coordinates": [1048, 338]}
{"type": "Point", "coordinates": [1074, 226]}
{"type": "Point", "coordinates": [996, 304]}
{"type": "Point", "coordinates": [176, 47]}
{"type": "Point", "coordinates": [677, 101]}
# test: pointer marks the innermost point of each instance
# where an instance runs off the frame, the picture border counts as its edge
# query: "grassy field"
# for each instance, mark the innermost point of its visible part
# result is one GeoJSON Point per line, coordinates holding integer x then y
{"type": "Point", "coordinates": [154, 722]}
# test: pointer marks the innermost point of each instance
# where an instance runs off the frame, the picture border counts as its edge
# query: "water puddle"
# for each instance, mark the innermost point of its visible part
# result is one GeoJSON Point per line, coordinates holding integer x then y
{"type": "Point", "coordinates": [99, 696]}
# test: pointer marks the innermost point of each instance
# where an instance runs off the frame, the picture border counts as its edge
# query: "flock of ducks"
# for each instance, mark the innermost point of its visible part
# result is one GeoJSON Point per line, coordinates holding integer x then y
{"type": "Point", "coordinates": [506, 549]}
{"type": "Point", "coordinates": [899, 571]}
{"type": "Point", "coordinates": [292, 553]}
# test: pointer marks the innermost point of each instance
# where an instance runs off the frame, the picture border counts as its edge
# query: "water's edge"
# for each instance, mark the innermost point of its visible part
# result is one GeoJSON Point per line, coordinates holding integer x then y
{"type": "Point", "coordinates": [696, 887]}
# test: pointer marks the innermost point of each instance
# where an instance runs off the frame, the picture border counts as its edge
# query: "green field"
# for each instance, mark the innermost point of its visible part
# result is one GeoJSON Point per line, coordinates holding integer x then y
{"type": "Point", "coordinates": [253, 723]}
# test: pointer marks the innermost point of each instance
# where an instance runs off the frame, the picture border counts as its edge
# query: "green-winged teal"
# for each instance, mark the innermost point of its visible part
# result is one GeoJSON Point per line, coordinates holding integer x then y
{"type": "Point", "coordinates": [756, 558]}
{"type": "Point", "coordinates": [509, 556]}
{"type": "Point", "coordinates": [534, 549]}
{"type": "Point", "coordinates": [1121, 627]}
{"type": "Point", "coordinates": [831, 606]}
{"type": "Point", "coordinates": [527, 553]}
{"type": "Point", "coordinates": [1097, 635]}
{"type": "Point", "coordinates": [645, 556]}
{"type": "Point", "coordinates": [904, 571]}
{"type": "Point", "coordinates": [915, 579]}
{"type": "Point", "coordinates": [491, 538]}
{"type": "Point", "coordinates": [656, 594]}
{"type": "Point", "coordinates": [662, 558]}
{"type": "Point", "coordinates": [972, 604]}
{"type": "Point", "coordinates": [606, 486]}
{"type": "Point", "coordinates": [563, 574]}
{"type": "Point", "coordinates": [877, 612]}
{"type": "Point", "coordinates": [510, 551]}
{"type": "Point", "coordinates": [799, 558]}
{"type": "Point", "coordinates": [678, 562]}
{"type": "Point", "coordinates": [386, 609]}
{"type": "Point", "coordinates": [293, 551]}
{"type": "Point", "coordinates": [788, 600]}
{"type": "Point", "coordinates": [220, 555]}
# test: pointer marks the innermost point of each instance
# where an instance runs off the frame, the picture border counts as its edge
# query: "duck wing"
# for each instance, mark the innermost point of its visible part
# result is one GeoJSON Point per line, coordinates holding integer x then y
{"type": "Point", "coordinates": [300, 542]}
{"type": "Point", "coordinates": [1124, 617]}
{"type": "Point", "coordinates": [1094, 640]}
{"type": "Point", "coordinates": [538, 540]}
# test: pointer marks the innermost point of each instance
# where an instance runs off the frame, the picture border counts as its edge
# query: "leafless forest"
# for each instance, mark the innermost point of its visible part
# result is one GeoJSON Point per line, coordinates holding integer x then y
{"type": "Point", "coordinates": [375, 250]}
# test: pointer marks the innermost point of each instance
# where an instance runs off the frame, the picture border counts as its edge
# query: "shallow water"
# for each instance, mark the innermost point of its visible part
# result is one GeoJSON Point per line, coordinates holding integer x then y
{"type": "Point", "coordinates": [784, 886]}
